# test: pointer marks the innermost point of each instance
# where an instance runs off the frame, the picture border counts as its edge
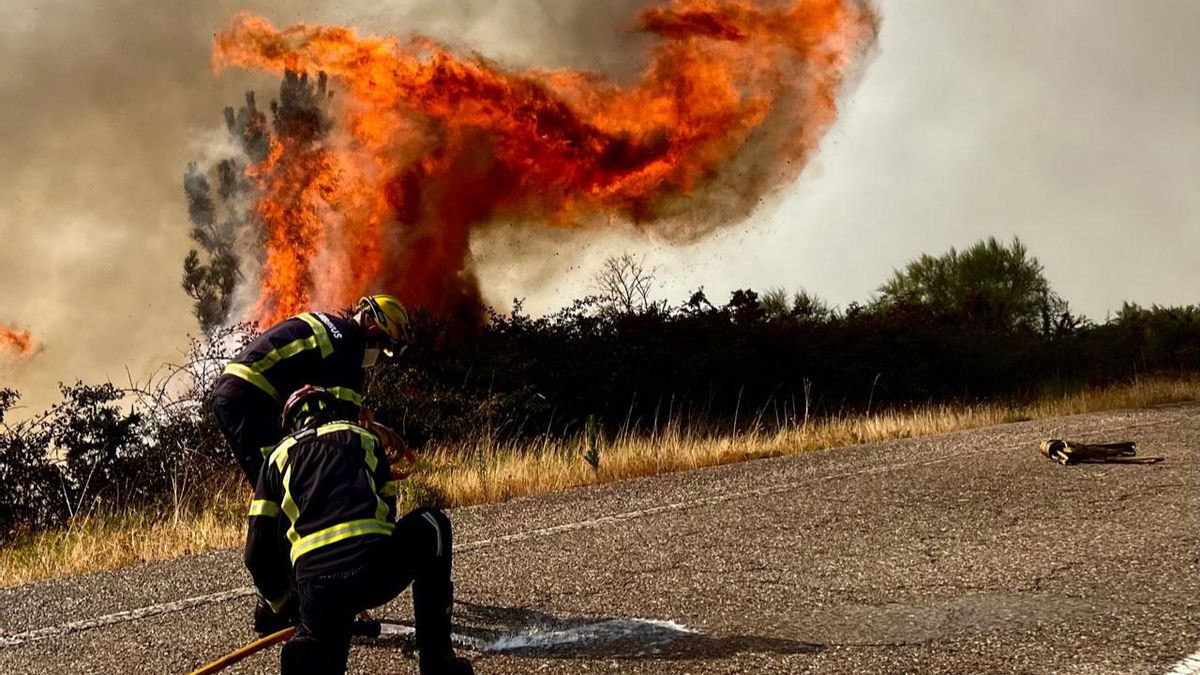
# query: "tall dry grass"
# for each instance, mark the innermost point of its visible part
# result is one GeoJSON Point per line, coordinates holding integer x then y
{"type": "Point", "coordinates": [485, 471]}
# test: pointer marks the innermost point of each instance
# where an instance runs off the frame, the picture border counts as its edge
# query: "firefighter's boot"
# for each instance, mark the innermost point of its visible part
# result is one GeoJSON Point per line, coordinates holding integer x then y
{"type": "Point", "coordinates": [431, 611]}
{"type": "Point", "coordinates": [304, 655]}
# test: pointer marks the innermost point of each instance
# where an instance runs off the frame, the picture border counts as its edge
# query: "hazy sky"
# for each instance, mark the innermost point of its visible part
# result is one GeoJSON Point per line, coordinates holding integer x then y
{"type": "Point", "coordinates": [1072, 124]}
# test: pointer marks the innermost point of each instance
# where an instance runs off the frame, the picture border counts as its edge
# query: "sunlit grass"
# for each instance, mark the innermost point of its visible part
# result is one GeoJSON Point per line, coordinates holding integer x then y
{"type": "Point", "coordinates": [93, 542]}
{"type": "Point", "coordinates": [483, 470]}
{"type": "Point", "coordinates": [492, 472]}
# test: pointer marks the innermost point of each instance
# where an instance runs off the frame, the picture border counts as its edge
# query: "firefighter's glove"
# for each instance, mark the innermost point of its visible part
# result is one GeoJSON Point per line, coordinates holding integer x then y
{"type": "Point", "coordinates": [272, 617]}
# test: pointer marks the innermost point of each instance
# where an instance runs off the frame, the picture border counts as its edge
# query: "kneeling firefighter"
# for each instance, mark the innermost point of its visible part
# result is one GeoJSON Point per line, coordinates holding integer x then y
{"type": "Point", "coordinates": [323, 543]}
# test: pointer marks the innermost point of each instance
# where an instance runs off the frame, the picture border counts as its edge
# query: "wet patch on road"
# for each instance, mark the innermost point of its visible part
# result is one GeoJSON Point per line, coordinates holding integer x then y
{"type": "Point", "coordinates": [524, 632]}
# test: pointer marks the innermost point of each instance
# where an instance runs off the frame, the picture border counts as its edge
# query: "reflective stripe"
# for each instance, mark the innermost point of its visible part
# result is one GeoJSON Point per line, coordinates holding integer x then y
{"type": "Point", "coordinates": [253, 377]}
{"type": "Point", "coordinates": [381, 506]}
{"type": "Point", "coordinates": [436, 528]}
{"type": "Point", "coordinates": [253, 373]}
{"type": "Point", "coordinates": [266, 450]}
{"type": "Point", "coordinates": [264, 507]}
{"type": "Point", "coordinates": [319, 333]}
{"type": "Point", "coordinates": [368, 443]}
{"type": "Point", "coordinates": [347, 394]}
{"type": "Point", "coordinates": [290, 349]}
{"type": "Point", "coordinates": [347, 426]}
{"type": "Point", "coordinates": [279, 455]}
{"type": "Point", "coordinates": [390, 488]}
{"type": "Point", "coordinates": [336, 533]}
{"type": "Point", "coordinates": [291, 510]}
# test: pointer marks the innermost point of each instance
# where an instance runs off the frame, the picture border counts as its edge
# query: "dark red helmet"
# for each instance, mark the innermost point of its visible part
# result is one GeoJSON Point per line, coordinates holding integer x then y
{"type": "Point", "coordinates": [306, 407]}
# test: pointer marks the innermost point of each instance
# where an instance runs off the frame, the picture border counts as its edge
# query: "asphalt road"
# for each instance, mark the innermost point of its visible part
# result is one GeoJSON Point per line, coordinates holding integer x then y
{"type": "Point", "coordinates": [961, 553]}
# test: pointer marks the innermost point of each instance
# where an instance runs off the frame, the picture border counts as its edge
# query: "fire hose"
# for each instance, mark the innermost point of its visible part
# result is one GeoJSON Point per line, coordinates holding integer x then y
{"type": "Point", "coordinates": [361, 627]}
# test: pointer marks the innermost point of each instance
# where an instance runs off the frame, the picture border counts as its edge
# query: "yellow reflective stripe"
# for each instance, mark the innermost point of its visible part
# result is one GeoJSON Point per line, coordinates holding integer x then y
{"type": "Point", "coordinates": [347, 394]}
{"type": "Point", "coordinates": [266, 450]}
{"type": "Point", "coordinates": [381, 507]}
{"type": "Point", "coordinates": [279, 455]}
{"type": "Point", "coordinates": [276, 355]}
{"type": "Point", "coordinates": [336, 533]}
{"type": "Point", "coordinates": [319, 333]}
{"type": "Point", "coordinates": [290, 509]}
{"type": "Point", "coordinates": [390, 488]}
{"type": "Point", "coordinates": [368, 442]}
{"type": "Point", "coordinates": [348, 426]}
{"type": "Point", "coordinates": [252, 376]}
{"type": "Point", "coordinates": [264, 507]}
{"type": "Point", "coordinates": [340, 426]}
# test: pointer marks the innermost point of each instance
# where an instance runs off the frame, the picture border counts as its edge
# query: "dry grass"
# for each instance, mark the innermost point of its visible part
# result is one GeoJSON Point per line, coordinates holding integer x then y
{"type": "Point", "coordinates": [484, 471]}
{"type": "Point", "coordinates": [494, 472]}
{"type": "Point", "coordinates": [98, 542]}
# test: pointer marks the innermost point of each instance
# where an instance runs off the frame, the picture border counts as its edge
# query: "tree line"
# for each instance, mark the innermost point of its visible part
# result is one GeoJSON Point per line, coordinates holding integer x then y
{"type": "Point", "coordinates": [971, 325]}
{"type": "Point", "coordinates": [963, 326]}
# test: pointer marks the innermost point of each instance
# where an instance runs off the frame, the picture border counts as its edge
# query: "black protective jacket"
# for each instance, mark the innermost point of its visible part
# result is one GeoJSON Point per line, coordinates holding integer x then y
{"type": "Point", "coordinates": [324, 499]}
{"type": "Point", "coordinates": [310, 348]}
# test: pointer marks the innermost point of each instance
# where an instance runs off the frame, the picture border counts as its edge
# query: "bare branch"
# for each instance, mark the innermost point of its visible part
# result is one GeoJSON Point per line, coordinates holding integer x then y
{"type": "Point", "coordinates": [623, 284]}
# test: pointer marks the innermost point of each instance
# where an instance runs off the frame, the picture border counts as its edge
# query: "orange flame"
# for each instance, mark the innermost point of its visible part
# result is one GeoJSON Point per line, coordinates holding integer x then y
{"type": "Point", "coordinates": [18, 343]}
{"type": "Point", "coordinates": [736, 93]}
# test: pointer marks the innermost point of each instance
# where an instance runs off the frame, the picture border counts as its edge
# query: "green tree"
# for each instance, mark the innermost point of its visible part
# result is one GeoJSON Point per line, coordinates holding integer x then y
{"type": "Point", "coordinates": [223, 224]}
{"type": "Point", "coordinates": [774, 302]}
{"type": "Point", "coordinates": [991, 285]}
{"type": "Point", "coordinates": [807, 307]}
{"type": "Point", "coordinates": [208, 279]}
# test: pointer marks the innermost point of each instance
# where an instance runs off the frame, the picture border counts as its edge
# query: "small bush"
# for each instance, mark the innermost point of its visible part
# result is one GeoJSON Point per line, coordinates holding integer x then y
{"type": "Point", "coordinates": [30, 498]}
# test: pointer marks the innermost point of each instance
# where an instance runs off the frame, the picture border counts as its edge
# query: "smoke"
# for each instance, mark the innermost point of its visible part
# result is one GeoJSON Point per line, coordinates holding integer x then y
{"type": "Point", "coordinates": [106, 103]}
{"type": "Point", "coordinates": [431, 144]}
{"type": "Point", "coordinates": [99, 98]}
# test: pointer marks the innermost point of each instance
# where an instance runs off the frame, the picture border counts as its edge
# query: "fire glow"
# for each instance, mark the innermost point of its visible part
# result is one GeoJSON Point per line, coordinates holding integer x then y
{"type": "Point", "coordinates": [18, 343]}
{"type": "Point", "coordinates": [431, 144]}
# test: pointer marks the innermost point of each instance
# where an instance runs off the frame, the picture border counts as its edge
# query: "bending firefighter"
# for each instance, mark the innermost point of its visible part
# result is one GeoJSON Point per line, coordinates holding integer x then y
{"type": "Point", "coordinates": [324, 508]}
{"type": "Point", "coordinates": [311, 348]}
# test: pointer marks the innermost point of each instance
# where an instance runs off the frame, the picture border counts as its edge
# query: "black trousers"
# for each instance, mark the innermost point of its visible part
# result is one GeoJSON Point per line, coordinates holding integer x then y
{"type": "Point", "coordinates": [418, 553]}
{"type": "Point", "coordinates": [250, 423]}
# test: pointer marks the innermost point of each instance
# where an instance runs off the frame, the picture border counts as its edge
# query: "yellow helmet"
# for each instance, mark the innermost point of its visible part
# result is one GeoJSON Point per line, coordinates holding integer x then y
{"type": "Point", "coordinates": [391, 317]}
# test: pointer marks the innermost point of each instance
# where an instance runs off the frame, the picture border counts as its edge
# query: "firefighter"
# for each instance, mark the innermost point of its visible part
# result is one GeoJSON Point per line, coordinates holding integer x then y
{"type": "Point", "coordinates": [311, 348]}
{"type": "Point", "coordinates": [325, 506]}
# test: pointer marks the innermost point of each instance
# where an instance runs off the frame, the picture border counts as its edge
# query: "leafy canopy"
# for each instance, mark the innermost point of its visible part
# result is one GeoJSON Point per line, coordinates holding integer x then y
{"type": "Point", "coordinates": [991, 285]}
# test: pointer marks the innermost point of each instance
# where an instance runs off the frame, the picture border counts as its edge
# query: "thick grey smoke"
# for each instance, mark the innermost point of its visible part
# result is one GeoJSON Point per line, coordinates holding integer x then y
{"type": "Point", "coordinates": [1071, 124]}
{"type": "Point", "coordinates": [106, 103]}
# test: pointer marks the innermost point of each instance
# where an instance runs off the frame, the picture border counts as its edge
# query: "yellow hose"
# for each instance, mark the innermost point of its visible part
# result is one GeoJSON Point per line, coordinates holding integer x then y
{"type": "Point", "coordinates": [243, 652]}
{"type": "Point", "coordinates": [368, 627]}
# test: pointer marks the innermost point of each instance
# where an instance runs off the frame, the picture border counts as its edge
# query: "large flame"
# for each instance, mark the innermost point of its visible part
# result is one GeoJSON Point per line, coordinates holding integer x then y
{"type": "Point", "coordinates": [18, 343]}
{"type": "Point", "coordinates": [735, 94]}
